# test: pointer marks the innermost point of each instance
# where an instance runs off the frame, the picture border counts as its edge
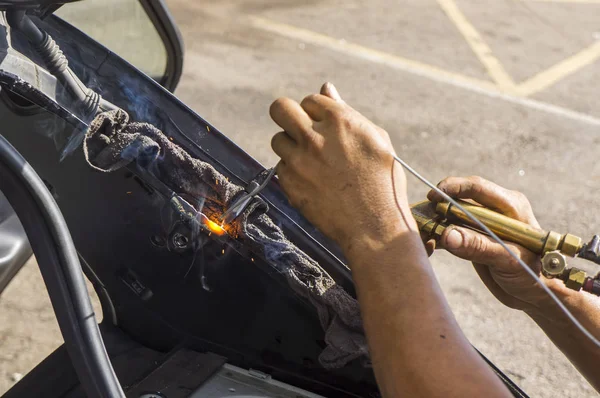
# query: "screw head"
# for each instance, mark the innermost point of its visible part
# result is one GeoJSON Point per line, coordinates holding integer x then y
{"type": "Point", "coordinates": [180, 241]}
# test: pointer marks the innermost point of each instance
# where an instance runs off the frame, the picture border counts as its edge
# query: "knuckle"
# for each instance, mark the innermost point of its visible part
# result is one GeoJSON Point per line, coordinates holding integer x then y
{"type": "Point", "coordinates": [520, 198]}
{"type": "Point", "coordinates": [444, 183]}
{"type": "Point", "coordinates": [338, 114]}
{"type": "Point", "coordinates": [521, 204]}
{"type": "Point", "coordinates": [334, 114]}
{"type": "Point", "coordinates": [477, 245]}
{"type": "Point", "coordinates": [314, 143]}
{"type": "Point", "coordinates": [312, 98]}
{"type": "Point", "coordinates": [476, 184]}
{"type": "Point", "coordinates": [515, 194]}
{"type": "Point", "coordinates": [275, 140]}
{"type": "Point", "coordinates": [451, 184]}
{"type": "Point", "coordinates": [343, 121]}
{"type": "Point", "coordinates": [477, 180]}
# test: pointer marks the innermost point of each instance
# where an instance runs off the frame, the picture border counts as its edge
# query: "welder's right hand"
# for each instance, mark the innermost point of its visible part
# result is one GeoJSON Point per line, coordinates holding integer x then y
{"type": "Point", "coordinates": [338, 169]}
{"type": "Point", "coordinates": [500, 272]}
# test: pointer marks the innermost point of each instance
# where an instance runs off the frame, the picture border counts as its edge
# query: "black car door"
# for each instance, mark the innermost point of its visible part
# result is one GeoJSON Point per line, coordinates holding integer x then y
{"type": "Point", "coordinates": [283, 304]}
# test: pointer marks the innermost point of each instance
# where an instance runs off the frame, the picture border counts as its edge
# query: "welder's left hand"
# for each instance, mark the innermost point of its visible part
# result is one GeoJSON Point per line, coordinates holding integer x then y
{"type": "Point", "coordinates": [503, 276]}
{"type": "Point", "coordinates": [512, 285]}
{"type": "Point", "coordinates": [337, 168]}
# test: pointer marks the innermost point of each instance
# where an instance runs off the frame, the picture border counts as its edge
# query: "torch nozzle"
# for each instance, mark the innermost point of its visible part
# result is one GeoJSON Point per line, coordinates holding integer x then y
{"type": "Point", "coordinates": [254, 188]}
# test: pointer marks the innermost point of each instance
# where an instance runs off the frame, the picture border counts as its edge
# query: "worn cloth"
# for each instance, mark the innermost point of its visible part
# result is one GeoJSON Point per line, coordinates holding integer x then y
{"type": "Point", "coordinates": [112, 142]}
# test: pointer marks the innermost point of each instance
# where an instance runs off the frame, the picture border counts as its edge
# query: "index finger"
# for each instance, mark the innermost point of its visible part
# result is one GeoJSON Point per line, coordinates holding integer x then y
{"type": "Point", "coordinates": [317, 106]}
{"type": "Point", "coordinates": [291, 117]}
{"type": "Point", "coordinates": [488, 194]}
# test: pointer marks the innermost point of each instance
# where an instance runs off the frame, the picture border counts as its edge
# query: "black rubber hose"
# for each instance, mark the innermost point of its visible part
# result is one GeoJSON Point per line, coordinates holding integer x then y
{"type": "Point", "coordinates": [18, 20]}
{"type": "Point", "coordinates": [56, 62]}
{"type": "Point", "coordinates": [57, 258]}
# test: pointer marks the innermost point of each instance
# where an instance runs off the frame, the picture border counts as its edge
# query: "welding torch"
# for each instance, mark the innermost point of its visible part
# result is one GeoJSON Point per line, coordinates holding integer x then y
{"type": "Point", "coordinates": [553, 247]}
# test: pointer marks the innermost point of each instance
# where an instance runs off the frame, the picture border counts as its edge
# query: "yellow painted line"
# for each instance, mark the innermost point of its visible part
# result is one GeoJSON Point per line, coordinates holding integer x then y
{"type": "Point", "coordinates": [416, 68]}
{"type": "Point", "coordinates": [366, 53]}
{"type": "Point", "coordinates": [478, 45]}
{"type": "Point", "coordinates": [559, 71]}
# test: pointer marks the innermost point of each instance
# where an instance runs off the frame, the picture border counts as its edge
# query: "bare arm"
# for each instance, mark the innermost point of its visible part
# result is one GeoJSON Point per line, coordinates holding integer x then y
{"type": "Point", "coordinates": [336, 167]}
{"type": "Point", "coordinates": [515, 288]}
{"type": "Point", "coordinates": [417, 348]}
{"type": "Point", "coordinates": [582, 353]}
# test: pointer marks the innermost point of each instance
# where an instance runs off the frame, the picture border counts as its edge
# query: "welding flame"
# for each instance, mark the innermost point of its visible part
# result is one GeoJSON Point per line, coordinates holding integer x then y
{"type": "Point", "coordinates": [213, 227]}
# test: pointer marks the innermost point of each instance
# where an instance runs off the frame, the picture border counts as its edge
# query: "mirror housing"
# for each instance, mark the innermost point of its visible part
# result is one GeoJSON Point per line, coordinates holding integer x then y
{"type": "Point", "coordinates": [147, 20]}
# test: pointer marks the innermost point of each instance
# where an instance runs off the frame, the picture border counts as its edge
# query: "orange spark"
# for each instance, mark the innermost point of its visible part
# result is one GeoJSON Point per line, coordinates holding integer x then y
{"type": "Point", "coordinates": [214, 227]}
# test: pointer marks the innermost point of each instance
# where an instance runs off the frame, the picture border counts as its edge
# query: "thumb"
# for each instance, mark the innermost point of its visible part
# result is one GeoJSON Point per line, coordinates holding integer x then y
{"type": "Point", "coordinates": [329, 90]}
{"type": "Point", "coordinates": [478, 248]}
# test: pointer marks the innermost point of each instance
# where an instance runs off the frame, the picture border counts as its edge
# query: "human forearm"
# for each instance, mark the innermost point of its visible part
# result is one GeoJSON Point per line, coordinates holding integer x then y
{"type": "Point", "coordinates": [337, 168]}
{"type": "Point", "coordinates": [511, 284]}
{"type": "Point", "coordinates": [416, 345]}
{"type": "Point", "coordinates": [582, 352]}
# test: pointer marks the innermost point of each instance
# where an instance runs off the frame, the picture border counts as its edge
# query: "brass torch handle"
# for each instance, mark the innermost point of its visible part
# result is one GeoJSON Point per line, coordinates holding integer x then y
{"type": "Point", "coordinates": [536, 240]}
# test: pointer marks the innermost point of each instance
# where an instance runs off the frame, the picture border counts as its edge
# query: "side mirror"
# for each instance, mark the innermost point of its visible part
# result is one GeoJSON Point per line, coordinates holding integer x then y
{"type": "Point", "coordinates": [142, 32]}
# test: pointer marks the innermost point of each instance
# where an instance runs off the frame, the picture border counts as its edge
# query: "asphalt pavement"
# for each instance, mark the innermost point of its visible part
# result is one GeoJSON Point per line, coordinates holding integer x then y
{"type": "Point", "coordinates": [505, 89]}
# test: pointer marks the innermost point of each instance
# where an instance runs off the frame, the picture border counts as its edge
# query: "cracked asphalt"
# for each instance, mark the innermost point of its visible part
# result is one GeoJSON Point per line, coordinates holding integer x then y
{"type": "Point", "coordinates": [504, 89]}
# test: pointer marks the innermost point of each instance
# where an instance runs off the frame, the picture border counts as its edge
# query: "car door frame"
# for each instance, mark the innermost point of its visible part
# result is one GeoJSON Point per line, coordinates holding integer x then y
{"type": "Point", "coordinates": [163, 21]}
